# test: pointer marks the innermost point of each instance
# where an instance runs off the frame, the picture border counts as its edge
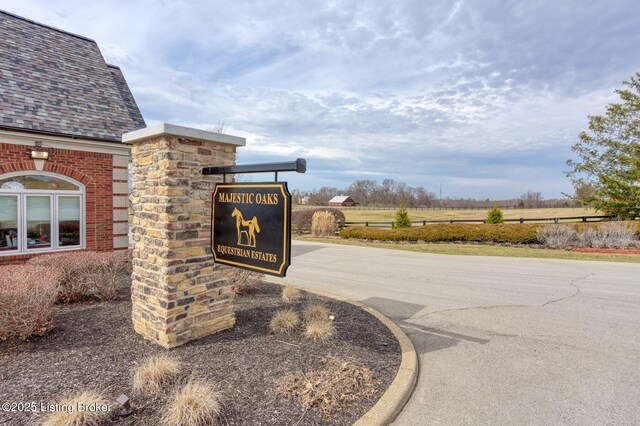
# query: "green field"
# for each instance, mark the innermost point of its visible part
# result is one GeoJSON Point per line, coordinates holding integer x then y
{"type": "Point", "coordinates": [373, 215]}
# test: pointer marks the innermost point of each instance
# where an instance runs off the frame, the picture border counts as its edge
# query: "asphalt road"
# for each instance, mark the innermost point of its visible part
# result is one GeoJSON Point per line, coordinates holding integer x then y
{"type": "Point", "coordinates": [500, 340]}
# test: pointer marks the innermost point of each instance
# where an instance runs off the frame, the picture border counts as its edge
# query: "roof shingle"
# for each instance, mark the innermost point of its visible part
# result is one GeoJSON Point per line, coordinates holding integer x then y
{"type": "Point", "coordinates": [55, 82]}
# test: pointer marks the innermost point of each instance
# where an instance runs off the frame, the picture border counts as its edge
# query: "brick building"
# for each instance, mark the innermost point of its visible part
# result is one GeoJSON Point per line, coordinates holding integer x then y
{"type": "Point", "coordinates": [63, 166]}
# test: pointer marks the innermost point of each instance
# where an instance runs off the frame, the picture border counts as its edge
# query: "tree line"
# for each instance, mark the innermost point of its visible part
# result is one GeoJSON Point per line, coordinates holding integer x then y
{"type": "Point", "coordinates": [392, 193]}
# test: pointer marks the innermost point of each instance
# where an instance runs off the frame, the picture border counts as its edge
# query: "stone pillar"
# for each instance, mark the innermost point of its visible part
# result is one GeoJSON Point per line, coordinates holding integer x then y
{"type": "Point", "coordinates": [178, 293]}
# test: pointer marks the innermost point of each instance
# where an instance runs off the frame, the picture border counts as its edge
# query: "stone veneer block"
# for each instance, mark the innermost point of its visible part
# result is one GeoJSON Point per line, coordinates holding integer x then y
{"type": "Point", "coordinates": [121, 215]}
{"type": "Point", "coordinates": [120, 228]}
{"type": "Point", "coordinates": [120, 241]}
{"type": "Point", "coordinates": [178, 293]}
{"type": "Point", "coordinates": [120, 188]}
{"type": "Point", "coordinates": [120, 161]}
{"type": "Point", "coordinates": [120, 174]}
{"type": "Point", "coordinates": [120, 201]}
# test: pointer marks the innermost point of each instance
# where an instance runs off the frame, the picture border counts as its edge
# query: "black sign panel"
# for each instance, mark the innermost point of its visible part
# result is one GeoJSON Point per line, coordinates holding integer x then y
{"type": "Point", "coordinates": [251, 226]}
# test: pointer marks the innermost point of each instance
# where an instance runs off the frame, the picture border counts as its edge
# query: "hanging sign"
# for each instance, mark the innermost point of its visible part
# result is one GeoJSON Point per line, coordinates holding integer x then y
{"type": "Point", "coordinates": [251, 226]}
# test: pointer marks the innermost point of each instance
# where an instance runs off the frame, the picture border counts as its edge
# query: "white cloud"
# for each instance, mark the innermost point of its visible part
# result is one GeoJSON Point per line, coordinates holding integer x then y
{"type": "Point", "coordinates": [464, 93]}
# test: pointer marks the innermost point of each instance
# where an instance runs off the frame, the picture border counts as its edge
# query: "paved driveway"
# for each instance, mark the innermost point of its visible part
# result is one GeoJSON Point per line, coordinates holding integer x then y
{"type": "Point", "coordinates": [500, 340]}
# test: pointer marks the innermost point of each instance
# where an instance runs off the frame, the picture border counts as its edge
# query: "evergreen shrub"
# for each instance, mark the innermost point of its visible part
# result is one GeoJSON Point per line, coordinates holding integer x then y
{"type": "Point", "coordinates": [402, 219]}
{"type": "Point", "coordinates": [494, 215]}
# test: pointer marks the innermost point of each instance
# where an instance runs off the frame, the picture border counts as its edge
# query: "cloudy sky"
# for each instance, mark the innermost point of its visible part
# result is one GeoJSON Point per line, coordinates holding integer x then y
{"type": "Point", "coordinates": [482, 97]}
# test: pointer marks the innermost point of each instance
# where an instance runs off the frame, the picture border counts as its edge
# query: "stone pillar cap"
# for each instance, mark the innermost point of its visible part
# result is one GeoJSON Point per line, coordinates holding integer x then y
{"type": "Point", "coordinates": [190, 133]}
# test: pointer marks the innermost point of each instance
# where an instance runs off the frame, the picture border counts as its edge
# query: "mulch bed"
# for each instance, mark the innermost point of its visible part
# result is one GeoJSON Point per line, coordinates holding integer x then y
{"type": "Point", "coordinates": [94, 347]}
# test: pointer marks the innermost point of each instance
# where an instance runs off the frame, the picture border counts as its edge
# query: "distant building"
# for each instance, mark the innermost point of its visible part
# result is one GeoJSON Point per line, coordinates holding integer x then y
{"type": "Point", "coordinates": [63, 166]}
{"type": "Point", "coordinates": [342, 200]}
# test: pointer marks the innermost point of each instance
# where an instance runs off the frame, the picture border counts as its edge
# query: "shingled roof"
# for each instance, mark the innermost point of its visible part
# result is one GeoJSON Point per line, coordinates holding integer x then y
{"type": "Point", "coordinates": [56, 82]}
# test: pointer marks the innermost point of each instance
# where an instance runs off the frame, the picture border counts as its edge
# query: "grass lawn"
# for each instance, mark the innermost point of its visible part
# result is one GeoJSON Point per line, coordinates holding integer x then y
{"type": "Point", "coordinates": [485, 250]}
{"type": "Point", "coordinates": [372, 215]}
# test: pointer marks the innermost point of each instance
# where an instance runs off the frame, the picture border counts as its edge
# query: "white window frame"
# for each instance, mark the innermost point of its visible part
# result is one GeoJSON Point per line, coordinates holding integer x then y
{"type": "Point", "coordinates": [24, 226]}
{"type": "Point", "coordinates": [18, 248]}
{"type": "Point", "coordinates": [53, 194]}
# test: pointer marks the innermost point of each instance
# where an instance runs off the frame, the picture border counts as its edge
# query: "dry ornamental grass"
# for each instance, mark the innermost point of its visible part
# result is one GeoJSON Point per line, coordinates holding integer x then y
{"type": "Point", "coordinates": [323, 224]}
{"type": "Point", "coordinates": [155, 374]}
{"type": "Point", "coordinates": [610, 234]}
{"type": "Point", "coordinates": [284, 321]}
{"type": "Point", "coordinates": [315, 311]}
{"type": "Point", "coordinates": [290, 294]}
{"type": "Point", "coordinates": [89, 408]}
{"type": "Point", "coordinates": [338, 385]}
{"type": "Point", "coordinates": [194, 404]}
{"type": "Point", "coordinates": [320, 331]}
{"type": "Point", "coordinates": [301, 220]}
{"type": "Point", "coordinates": [557, 236]}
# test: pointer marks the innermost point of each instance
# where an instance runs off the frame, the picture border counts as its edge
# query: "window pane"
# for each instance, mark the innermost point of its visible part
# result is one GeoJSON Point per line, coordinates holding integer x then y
{"type": "Point", "coordinates": [38, 222]}
{"type": "Point", "coordinates": [8, 222]}
{"type": "Point", "coordinates": [37, 182]}
{"type": "Point", "coordinates": [68, 221]}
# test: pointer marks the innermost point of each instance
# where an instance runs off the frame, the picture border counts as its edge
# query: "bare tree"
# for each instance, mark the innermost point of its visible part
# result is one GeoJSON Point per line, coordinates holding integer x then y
{"type": "Point", "coordinates": [218, 128]}
{"type": "Point", "coordinates": [363, 191]}
{"type": "Point", "coordinates": [531, 199]}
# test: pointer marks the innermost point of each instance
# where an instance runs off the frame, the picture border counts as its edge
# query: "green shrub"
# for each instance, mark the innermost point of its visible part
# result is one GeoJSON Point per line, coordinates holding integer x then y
{"type": "Point", "coordinates": [402, 219]}
{"type": "Point", "coordinates": [515, 233]}
{"type": "Point", "coordinates": [301, 219]}
{"type": "Point", "coordinates": [494, 215]}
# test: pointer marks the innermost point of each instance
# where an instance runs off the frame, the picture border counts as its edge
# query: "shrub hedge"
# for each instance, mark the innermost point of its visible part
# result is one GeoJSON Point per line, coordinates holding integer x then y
{"type": "Point", "coordinates": [87, 274]}
{"type": "Point", "coordinates": [301, 219]}
{"type": "Point", "coordinates": [27, 295]}
{"type": "Point", "coordinates": [514, 233]}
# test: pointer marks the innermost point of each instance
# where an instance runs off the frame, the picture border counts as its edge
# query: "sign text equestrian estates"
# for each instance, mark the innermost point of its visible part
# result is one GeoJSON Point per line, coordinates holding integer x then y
{"type": "Point", "coordinates": [251, 226]}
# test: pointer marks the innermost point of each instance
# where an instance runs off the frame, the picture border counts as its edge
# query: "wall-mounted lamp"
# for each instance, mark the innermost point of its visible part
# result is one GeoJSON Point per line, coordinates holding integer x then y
{"type": "Point", "coordinates": [39, 156]}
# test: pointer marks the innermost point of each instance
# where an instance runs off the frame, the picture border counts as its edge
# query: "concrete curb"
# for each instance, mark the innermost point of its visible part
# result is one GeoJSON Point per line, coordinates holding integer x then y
{"type": "Point", "coordinates": [396, 396]}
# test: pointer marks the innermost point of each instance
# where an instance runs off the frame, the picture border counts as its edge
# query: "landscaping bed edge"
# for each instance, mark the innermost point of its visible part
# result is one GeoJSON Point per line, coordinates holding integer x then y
{"type": "Point", "coordinates": [399, 391]}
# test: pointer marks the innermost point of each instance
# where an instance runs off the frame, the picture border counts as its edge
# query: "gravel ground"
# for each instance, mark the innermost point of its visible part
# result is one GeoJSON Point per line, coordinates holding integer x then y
{"type": "Point", "coordinates": [94, 347]}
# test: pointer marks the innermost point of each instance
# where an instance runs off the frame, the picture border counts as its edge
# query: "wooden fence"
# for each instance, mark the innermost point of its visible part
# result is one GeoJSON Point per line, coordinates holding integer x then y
{"type": "Point", "coordinates": [508, 207]}
{"type": "Point", "coordinates": [389, 224]}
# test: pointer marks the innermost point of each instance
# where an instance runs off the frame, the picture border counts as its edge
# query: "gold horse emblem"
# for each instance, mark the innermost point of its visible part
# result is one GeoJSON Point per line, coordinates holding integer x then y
{"type": "Point", "coordinates": [247, 228]}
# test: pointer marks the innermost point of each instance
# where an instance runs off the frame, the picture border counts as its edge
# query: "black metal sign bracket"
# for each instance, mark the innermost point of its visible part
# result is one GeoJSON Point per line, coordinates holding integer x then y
{"type": "Point", "coordinates": [298, 166]}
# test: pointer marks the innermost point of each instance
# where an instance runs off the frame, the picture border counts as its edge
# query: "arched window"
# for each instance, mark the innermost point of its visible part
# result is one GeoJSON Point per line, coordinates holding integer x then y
{"type": "Point", "coordinates": [40, 212]}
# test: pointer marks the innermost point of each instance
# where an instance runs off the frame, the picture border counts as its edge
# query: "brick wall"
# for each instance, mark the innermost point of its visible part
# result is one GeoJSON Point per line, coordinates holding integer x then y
{"type": "Point", "coordinates": [94, 170]}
